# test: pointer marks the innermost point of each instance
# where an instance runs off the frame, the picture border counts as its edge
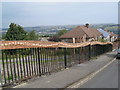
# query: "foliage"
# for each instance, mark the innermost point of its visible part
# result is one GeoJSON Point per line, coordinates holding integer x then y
{"type": "Point", "coordinates": [32, 36]}
{"type": "Point", "coordinates": [15, 32]}
{"type": "Point", "coordinates": [59, 33]}
{"type": "Point", "coordinates": [111, 27]}
{"type": "Point", "coordinates": [3, 36]}
{"type": "Point", "coordinates": [102, 40]}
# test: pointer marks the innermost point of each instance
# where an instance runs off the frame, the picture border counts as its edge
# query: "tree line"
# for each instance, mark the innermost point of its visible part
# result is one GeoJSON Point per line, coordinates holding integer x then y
{"type": "Point", "coordinates": [16, 32]}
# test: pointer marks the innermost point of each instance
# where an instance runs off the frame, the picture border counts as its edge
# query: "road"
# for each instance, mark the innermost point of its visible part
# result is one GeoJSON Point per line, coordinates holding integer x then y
{"type": "Point", "coordinates": [108, 78]}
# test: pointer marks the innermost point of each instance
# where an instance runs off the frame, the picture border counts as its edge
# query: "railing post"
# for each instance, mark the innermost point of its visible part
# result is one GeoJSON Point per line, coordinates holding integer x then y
{"type": "Point", "coordinates": [0, 77]}
{"type": "Point", "coordinates": [1, 69]}
{"type": "Point", "coordinates": [39, 61]}
{"type": "Point", "coordinates": [94, 54]}
{"type": "Point", "coordinates": [65, 59]}
{"type": "Point", "coordinates": [89, 52]}
{"type": "Point", "coordinates": [3, 65]}
{"type": "Point", "coordinates": [96, 50]}
{"type": "Point", "coordinates": [111, 47]}
{"type": "Point", "coordinates": [79, 54]}
{"type": "Point", "coordinates": [102, 49]}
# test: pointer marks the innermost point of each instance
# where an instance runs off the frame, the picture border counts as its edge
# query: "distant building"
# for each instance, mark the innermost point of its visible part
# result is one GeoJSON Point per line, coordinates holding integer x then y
{"type": "Point", "coordinates": [107, 35]}
{"type": "Point", "coordinates": [43, 38]}
{"type": "Point", "coordinates": [81, 34]}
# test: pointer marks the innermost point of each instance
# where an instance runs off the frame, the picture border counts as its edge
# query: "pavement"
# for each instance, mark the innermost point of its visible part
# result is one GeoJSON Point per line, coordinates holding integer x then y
{"type": "Point", "coordinates": [69, 76]}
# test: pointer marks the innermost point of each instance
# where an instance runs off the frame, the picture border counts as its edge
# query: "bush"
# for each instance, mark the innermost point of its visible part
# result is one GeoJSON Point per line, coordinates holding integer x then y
{"type": "Point", "coordinates": [102, 40]}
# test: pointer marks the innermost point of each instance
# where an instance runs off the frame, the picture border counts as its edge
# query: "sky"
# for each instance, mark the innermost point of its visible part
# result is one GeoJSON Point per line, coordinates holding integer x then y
{"type": "Point", "coordinates": [29, 14]}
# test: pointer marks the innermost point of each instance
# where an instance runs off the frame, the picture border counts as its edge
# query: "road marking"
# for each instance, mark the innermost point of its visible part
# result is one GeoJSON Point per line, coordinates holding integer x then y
{"type": "Point", "coordinates": [89, 77]}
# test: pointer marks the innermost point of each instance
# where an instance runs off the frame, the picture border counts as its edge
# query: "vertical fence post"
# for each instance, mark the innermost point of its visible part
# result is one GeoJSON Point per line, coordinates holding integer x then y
{"type": "Point", "coordinates": [0, 76]}
{"type": "Point", "coordinates": [111, 47]}
{"type": "Point", "coordinates": [93, 50]}
{"type": "Point", "coordinates": [79, 54]}
{"type": "Point", "coordinates": [96, 50]}
{"type": "Point", "coordinates": [1, 70]}
{"type": "Point", "coordinates": [39, 61]}
{"type": "Point", "coordinates": [103, 49]}
{"type": "Point", "coordinates": [7, 68]}
{"type": "Point", "coordinates": [89, 52]}
{"type": "Point", "coordinates": [3, 65]}
{"type": "Point", "coordinates": [65, 59]}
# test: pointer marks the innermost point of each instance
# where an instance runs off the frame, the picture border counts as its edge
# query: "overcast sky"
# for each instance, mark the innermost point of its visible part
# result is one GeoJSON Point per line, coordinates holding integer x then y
{"type": "Point", "coordinates": [56, 13]}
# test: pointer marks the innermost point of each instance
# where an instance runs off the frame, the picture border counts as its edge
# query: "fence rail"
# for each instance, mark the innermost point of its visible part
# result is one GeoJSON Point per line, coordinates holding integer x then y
{"type": "Point", "coordinates": [24, 63]}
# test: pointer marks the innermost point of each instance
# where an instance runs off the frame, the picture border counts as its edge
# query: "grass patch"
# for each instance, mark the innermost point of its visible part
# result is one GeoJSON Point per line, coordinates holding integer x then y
{"type": "Point", "coordinates": [94, 58]}
{"type": "Point", "coordinates": [11, 77]}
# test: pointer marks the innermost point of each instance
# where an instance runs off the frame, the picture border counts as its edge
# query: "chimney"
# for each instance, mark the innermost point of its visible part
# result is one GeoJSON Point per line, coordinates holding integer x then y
{"type": "Point", "coordinates": [87, 25]}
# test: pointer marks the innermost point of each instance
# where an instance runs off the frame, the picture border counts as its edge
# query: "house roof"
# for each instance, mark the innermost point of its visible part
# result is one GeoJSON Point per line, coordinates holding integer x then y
{"type": "Point", "coordinates": [76, 32]}
{"type": "Point", "coordinates": [80, 31]}
{"type": "Point", "coordinates": [91, 32]}
{"type": "Point", "coordinates": [112, 34]}
{"type": "Point", "coordinates": [105, 33]}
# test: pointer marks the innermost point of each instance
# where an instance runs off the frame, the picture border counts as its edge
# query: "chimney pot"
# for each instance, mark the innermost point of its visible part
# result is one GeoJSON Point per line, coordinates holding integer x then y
{"type": "Point", "coordinates": [87, 25]}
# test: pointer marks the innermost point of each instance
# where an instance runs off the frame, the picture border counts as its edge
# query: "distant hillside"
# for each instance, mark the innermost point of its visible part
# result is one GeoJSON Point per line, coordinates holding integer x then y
{"type": "Point", "coordinates": [50, 29]}
{"type": "Point", "coordinates": [111, 27]}
{"type": "Point", "coordinates": [45, 30]}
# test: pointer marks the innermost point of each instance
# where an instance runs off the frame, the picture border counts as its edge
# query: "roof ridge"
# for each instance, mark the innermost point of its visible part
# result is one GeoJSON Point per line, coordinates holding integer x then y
{"type": "Point", "coordinates": [83, 30]}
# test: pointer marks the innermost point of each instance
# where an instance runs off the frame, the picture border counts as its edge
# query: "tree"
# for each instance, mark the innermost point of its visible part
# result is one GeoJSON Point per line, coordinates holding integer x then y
{"type": "Point", "coordinates": [102, 40]}
{"type": "Point", "coordinates": [15, 32]}
{"type": "Point", "coordinates": [3, 36]}
{"type": "Point", "coordinates": [32, 35]}
{"type": "Point", "coordinates": [59, 33]}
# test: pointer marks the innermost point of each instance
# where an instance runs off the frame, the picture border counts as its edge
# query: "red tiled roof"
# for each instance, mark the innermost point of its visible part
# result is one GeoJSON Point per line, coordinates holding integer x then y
{"type": "Point", "coordinates": [91, 32]}
{"type": "Point", "coordinates": [80, 31]}
{"type": "Point", "coordinates": [76, 32]}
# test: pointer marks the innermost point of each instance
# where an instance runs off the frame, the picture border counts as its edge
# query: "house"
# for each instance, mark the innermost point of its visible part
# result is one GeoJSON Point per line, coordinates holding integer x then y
{"type": "Point", "coordinates": [81, 34]}
{"type": "Point", "coordinates": [113, 36]}
{"type": "Point", "coordinates": [44, 38]}
{"type": "Point", "coordinates": [107, 35]}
